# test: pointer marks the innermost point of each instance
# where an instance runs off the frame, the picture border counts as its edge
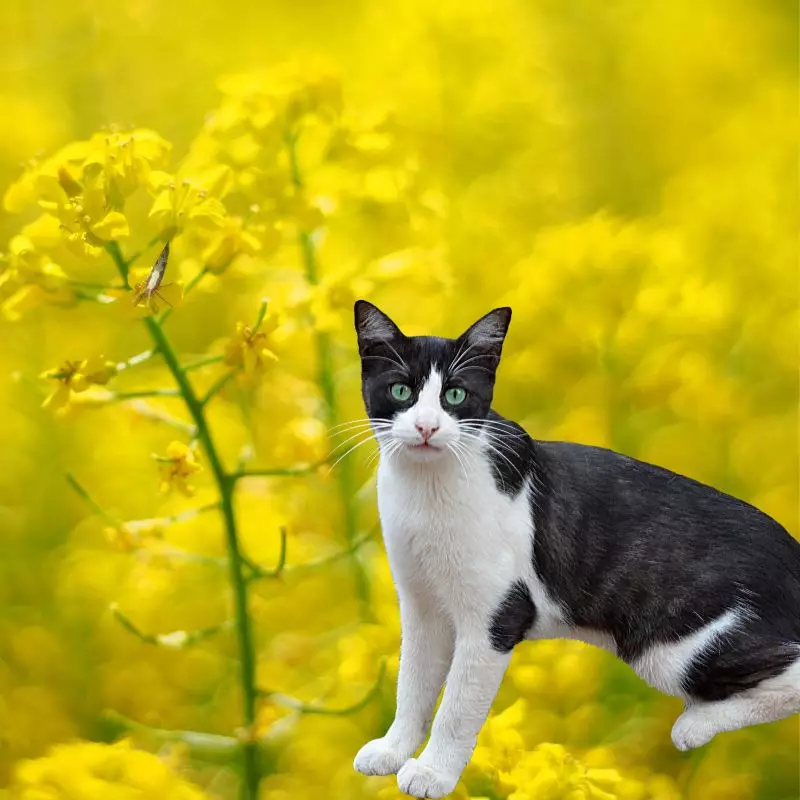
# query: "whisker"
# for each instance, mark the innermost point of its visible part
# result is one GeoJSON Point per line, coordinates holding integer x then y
{"type": "Point", "coordinates": [495, 449]}
{"type": "Point", "coordinates": [357, 428]}
{"type": "Point", "coordinates": [351, 450]}
{"type": "Point", "coordinates": [488, 424]}
{"type": "Point", "coordinates": [350, 438]}
{"type": "Point", "coordinates": [366, 421]}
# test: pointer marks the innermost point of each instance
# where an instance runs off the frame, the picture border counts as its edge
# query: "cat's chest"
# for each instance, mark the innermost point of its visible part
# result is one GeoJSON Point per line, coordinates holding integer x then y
{"type": "Point", "coordinates": [453, 534]}
{"type": "Point", "coordinates": [427, 508]}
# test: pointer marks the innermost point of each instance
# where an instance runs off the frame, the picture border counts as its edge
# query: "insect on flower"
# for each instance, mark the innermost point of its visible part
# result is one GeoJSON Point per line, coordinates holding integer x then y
{"type": "Point", "coordinates": [148, 289]}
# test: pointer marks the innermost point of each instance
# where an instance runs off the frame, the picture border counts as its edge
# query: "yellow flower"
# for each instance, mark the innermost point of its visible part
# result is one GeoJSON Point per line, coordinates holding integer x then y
{"type": "Point", "coordinates": [228, 242]}
{"type": "Point", "coordinates": [178, 465]}
{"type": "Point", "coordinates": [91, 771]}
{"type": "Point", "coordinates": [125, 160]}
{"type": "Point", "coordinates": [133, 534]}
{"type": "Point", "coordinates": [189, 203]}
{"type": "Point", "coordinates": [77, 376]}
{"type": "Point", "coordinates": [246, 348]}
{"type": "Point", "coordinates": [30, 278]}
{"type": "Point", "coordinates": [550, 773]}
{"type": "Point", "coordinates": [83, 187]}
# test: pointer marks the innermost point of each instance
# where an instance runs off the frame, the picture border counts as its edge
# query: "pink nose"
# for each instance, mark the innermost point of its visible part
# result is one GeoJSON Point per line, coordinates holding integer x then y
{"type": "Point", "coordinates": [426, 431]}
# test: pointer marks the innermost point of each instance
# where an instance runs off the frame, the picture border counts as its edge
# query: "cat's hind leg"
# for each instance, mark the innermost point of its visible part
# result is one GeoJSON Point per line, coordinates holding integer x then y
{"type": "Point", "coordinates": [757, 685]}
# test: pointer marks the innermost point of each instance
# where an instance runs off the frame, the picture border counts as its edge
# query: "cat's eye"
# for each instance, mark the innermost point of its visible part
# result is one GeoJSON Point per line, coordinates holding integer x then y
{"type": "Point", "coordinates": [455, 396]}
{"type": "Point", "coordinates": [400, 392]}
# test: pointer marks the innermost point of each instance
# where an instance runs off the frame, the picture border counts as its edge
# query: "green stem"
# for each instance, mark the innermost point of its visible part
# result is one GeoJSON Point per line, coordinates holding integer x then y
{"type": "Point", "coordinates": [122, 265]}
{"type": "Point", "coordinates": [236, 565]}
{"type": "Point", "coordinates": [218, 385]}
{"type": "Point", "coordinates": [325, 378]}
{"type": "Point", "coordinates": [209, 746]}
{"type": "Point", "coordinates": [108, 517]}
{"type": "Point", "coordinates": [310, 708]}
{"type": "Point", "coordinates": [140, 393]}
{"type": "Point", "coordinates": [279, 472]}
{"type": "Point", "coordinates": [250, 769]}
{"type": "Point", "coordinates": [202, 362]}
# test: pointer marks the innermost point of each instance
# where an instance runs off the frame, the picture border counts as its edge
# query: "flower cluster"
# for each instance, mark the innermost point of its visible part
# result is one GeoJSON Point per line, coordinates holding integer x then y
{"type": "Point", "coordinates": [471, 155]}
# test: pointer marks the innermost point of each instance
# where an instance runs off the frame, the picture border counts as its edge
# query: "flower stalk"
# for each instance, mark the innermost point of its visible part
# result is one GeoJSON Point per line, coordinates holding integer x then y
{"type": "Point", "coordinates": [236, 564]}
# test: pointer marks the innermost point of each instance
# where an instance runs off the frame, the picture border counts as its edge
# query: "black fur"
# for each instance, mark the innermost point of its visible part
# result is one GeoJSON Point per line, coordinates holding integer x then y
{"type": "Point", "coordinates": [626, 548]}
{"type": "Point", "coordinates": [388, 357]}
{"type": "Point", "coordinates": [513, 618]}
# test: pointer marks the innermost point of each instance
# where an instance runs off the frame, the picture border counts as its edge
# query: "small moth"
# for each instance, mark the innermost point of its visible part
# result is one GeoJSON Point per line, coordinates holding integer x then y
{"type": "Point", "coordinates": [148, 289]}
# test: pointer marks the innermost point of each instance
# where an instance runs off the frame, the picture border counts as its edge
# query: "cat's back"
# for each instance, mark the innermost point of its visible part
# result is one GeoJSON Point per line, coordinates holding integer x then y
{"type": "Point", "coordinates": [609, 487]}
{"type": "Point", "coordinates": [625, 528]}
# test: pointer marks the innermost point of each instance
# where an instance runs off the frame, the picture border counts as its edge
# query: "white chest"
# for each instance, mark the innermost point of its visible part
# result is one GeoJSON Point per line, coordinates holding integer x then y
{"type": "Point", "coordinates": [452, 536]}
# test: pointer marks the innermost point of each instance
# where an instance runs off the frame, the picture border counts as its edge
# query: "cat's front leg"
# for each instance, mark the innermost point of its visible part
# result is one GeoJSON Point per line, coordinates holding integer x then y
{"type": "Point", "coordinates": [472, 683]}
{"type": "Point", "coordinates": [425, 654]}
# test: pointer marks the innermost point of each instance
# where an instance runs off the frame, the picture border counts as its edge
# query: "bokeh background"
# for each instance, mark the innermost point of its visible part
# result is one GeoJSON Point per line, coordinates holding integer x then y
{"type": "Point", "coordinates": [623, 174]}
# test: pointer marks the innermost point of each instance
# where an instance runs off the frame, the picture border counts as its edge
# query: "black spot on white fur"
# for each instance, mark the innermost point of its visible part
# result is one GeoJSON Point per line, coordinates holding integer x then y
{"type": "Point", "coordinates": [513, 618]}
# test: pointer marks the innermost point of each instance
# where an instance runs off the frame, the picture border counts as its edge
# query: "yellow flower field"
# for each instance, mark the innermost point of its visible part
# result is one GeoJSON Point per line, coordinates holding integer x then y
{"type": "Point", "coordinates": [193, 604]}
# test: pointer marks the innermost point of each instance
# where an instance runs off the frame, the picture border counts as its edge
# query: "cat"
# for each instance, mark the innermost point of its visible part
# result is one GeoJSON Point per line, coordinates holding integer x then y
{"type": "Point", "coordinates": [494, 538]}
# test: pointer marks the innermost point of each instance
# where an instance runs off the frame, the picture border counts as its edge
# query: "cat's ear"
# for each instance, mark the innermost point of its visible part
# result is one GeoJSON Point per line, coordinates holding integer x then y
{"type": "Point", "coordinates": [373, 326]}
{"type": "Point", "coordinates": [490, 330]}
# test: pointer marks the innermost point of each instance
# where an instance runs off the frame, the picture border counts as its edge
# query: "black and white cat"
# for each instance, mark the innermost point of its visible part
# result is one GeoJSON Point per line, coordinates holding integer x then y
{"type": "Point", "coordinates": [493, 538]}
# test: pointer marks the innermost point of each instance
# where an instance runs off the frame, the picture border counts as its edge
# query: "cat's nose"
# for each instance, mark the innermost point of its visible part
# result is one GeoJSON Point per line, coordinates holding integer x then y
{"type": "Point", "coordinates": [426, 431]}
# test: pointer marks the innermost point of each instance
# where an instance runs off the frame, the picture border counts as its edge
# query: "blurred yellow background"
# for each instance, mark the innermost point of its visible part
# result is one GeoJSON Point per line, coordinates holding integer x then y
{"type": "Point", "coordinates": [623, 174]}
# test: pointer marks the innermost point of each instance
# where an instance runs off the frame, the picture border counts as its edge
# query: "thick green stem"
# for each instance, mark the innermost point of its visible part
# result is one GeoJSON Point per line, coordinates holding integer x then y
{"type": "Point", "coordinates": [250, 769]}
{"type": "Point", "coordinates": [226, 485]}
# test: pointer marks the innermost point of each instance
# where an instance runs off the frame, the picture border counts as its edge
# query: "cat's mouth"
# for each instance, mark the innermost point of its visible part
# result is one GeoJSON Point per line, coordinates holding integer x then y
{"type": "Point", "coordinates": [423, 446]}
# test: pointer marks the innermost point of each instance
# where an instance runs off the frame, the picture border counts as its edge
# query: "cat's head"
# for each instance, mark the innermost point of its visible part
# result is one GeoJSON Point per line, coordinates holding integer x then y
{"type": "Point", "coordinates": [424, 393]}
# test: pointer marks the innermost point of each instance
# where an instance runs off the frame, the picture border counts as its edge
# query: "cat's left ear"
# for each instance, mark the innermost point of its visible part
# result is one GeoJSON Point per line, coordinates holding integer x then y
{"type": "Point", "coordinates": [373, 326]}
{"type": "Point", "coordinates": [489, 332]}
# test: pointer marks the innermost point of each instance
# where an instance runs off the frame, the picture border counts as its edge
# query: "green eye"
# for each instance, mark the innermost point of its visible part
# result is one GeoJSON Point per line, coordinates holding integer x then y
{"type": "Point", "coordinates": [455, 396]}
{"type": "Point", "coordinates": [400, 392]}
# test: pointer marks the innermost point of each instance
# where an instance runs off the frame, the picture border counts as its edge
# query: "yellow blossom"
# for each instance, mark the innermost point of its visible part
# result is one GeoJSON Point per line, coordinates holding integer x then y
{"type": "Point", "coordinates": [549, 772]}
{"type": "Point", "coordinates": [246, 348]}
{"type": "Point", "coordinates": [77, 376]}
{"type": "Point", "coordinates": [189, 203]}
{"type": "Point", "coordinates": [90, 771]}
{"type": "Point", "coordinates": [179, 464]}
{"type": "Point", "coordinates": [229, 241]}
{"type": "Point", "coordinates": [134, 533]}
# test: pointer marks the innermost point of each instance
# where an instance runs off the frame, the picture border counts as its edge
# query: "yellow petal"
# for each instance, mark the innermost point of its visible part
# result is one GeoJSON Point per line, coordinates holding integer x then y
{"type": "Point", "coordinates": [44, 231]}
{"type": "Point", "coordinates": [59, 397]}
{"type": "Point", "coordinates": [113, 226]}
{"type": "Point", "coordinates": [177, 450]}
{"type": "Point", "coordinates": [158, 181]}
{"type": "Point", "coordinates": [209, 213]}
{"type": "Point", "coordinates": [162, 211]}
{"type": "Point", "coordinates": [20, 194]}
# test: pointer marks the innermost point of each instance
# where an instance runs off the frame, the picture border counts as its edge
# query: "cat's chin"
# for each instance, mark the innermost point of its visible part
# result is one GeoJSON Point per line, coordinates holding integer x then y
{"type": "Point", "coordinates": [422, 453]}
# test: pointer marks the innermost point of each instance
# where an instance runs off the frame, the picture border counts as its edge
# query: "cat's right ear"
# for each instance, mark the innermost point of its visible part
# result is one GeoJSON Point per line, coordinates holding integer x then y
{"type": "Point", "coordinates": [373, 326]}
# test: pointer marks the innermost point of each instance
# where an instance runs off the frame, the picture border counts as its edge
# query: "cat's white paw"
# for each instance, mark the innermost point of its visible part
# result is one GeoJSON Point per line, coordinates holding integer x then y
{"type": "Point", "coordinates": [693, 728]}
{"type": "Point", "coordinates": [419, 780]}
{"type": "Point", "coordinates": [379, 758]}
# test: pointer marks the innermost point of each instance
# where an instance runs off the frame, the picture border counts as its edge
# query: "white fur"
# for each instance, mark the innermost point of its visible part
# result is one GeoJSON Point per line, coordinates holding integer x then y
{"type": "Point", "coordinates": [455, 546]}
{"type": "Point", "coordinates": [773, 699]}
{"type": "Point", "coordinates": [664, 664]}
